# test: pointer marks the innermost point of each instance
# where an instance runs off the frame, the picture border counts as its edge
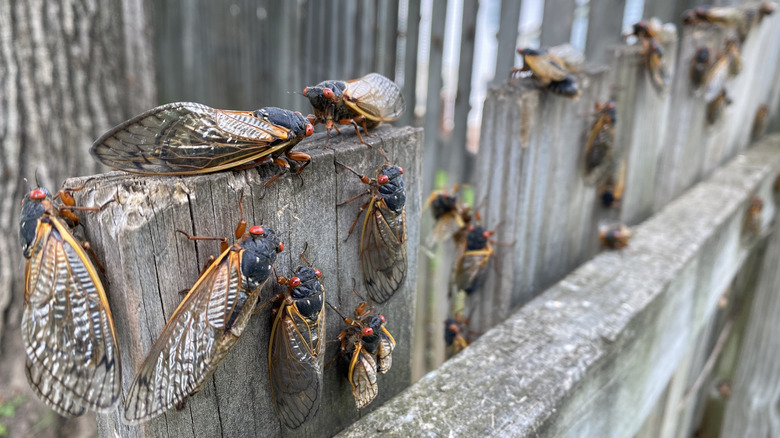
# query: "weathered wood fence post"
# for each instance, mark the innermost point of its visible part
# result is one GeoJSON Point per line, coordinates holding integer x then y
{"type": "Point", "coordinates": [148, 262]}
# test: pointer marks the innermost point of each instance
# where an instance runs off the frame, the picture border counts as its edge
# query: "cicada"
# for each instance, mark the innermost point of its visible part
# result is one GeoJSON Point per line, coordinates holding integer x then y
{"type": "Point", "coordinates": [752, 222]}
{"type": "Point", "coordinates": [700, 65]}
{"type": "Point", "coordinates": [653, 55]}
{"type": "Point", "coordinates": [614, 236]}
{"type": "Point", "coordinates": [365, 102]}
{"type": "Point", "coordinates": [368, 346]}
{"type": "Point", "coordinates": [716, 106]}
{"type": "Point", "coordinates": [454, 340]}
{"type": "Point", "coordinates": [599, 155]}
{"type": "Point", "coordinates": [760, 121]}
{"type": "Point", "coordinates": [715, 79]}
{"type": "Point", "coordinates": [296, 351]}
{"type": "Point", "coordinates": [205, 326]}
{"type": "Point", "coordinates": [611, 190]}
{"type": "Point", "coordinates": [447, 213]}
{"type": "Point", "coordinates": [549, 71]}
{"type": "Point", "coordinates": [734, 55]}
{"type": "Point", "coordinates": [73, 361]}
{"type": "Point", "coordinates": [383, 239]}
{"type": "Point", "coordinates": [473, 259]}
{"type": "Point", "coordinates": [186, 138]}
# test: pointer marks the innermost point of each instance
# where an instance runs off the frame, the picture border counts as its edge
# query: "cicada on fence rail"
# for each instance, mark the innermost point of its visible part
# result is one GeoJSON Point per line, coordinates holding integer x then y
{"type": "Point", "coordinates": [368, 347]}
{"type": "Point", "coordinates": [383, 239]}
{"type": "Point", "coordinates": [614, 236]}
{"type": "Point", "coordinates": [365, 102]}
{"type": "Point", "coordinates": [186, 138]}
{"type": "Point", "coordinates": [205, 326]}
{"type": "Point", "coordinates": [599, 150]}
{"type": "Point", "coordinates": [700, 65]}
{"type": "Point", "coordinates": [297, 347]}
{"type": "Point", "coordinates": [73, 361]}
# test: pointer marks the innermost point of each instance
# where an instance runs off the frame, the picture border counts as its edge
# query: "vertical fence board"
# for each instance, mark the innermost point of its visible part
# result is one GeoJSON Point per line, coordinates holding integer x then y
{"type": "Point", "coordinates": [507, 39]}
{"type": "Point", "coordinates": [433, 102]}
{"type": "Point", "coordinates": [557, 21]}
{"type": "Point", "coordinates": [605, 25]}
{"type": "Point", "coordinates": [411, 43]}
{"type": "Point", "coordinates": [387, 37]}
{"type": "Point", "coordinates": [461, 162]}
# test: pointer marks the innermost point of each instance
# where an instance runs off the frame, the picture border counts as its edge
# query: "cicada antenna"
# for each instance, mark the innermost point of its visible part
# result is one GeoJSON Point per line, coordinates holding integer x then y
{"type": "Point", "coordinates": [303, 256]}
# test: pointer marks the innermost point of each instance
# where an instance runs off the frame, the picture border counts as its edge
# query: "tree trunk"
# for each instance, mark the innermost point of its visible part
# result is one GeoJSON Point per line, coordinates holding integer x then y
{"type": "Point", "coordinates": [68, 71]}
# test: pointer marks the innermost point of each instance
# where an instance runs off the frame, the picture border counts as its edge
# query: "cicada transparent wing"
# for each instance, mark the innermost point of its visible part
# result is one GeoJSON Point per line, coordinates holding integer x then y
{"type": "Point", "coordinates": [73, 360]}
{"type": "Point", "coordinates": [384, 352]}
{"type": "Point", "coordinates": [472, 269]}
{"type": "Point", "coordinates": [188, 138]}
{"type": "Point", "coordinates": [383, 250]}
{"type": "Point", "coordinates": [203, 328]}
{"type": "Point", "coordinates": [296, 351]}
{"type": "Point", "coordinates": [599, 154]}
{"type": "Point", "coordinates": [376, 97]}
{"type": "Point", "coordinates": [362, 377]}
{"type": "Point", "coordinates": [544, 67]}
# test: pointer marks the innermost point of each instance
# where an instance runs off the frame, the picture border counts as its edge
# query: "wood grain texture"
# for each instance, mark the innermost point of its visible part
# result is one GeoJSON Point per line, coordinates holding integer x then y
{"type": "Point", "coordinates": [59, 89]}
{"type": "Point", "coordinates": [148, 262]}
{"type": "Point", "coordinates": [594, 353]}
{"type": "Point", "coordinates": [532, 192]}
{"type": "Point", "coordinates": [557, 21]}
{"type": "Point", "coordinates": [605, 26]}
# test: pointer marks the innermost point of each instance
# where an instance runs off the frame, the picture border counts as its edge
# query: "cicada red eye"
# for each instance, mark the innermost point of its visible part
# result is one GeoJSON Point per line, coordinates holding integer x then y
{"type": "Point", "coordinates": [368, 331]}
{"type": "Point", "coordinates": [256, 230]}
{"type": "Point", "coordinates": [317, 273]}
{"type": "Point", "coordinates": [471, 227]}
{"type": "Point", "coordinates": [400, 169]}
{"type": "Point", "coordinates": [38, 194]}
{"type": "Point", "coordinates": [295, 282]}
{"type": "Point", "coordinates": [309, 130]}
{"type": "Point", "coordinates": [383, 179]}
{"type": "Point", "coordinates": [328, 93]}
{"type": "Point", "coordinates": [305, 90]}
{"type": "Point", "coordinates": [487, 234]}
{"type": "Point", "coordinates": [382, 317]}
{"type": "Point", "coordinates": [281, 246]}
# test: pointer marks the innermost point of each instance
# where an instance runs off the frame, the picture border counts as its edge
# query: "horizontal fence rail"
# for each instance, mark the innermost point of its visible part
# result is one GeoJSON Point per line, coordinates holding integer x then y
{"type": "Point", "coordinates": [592, 355]}
{"type": "Point", "coordinates": [148, 262]}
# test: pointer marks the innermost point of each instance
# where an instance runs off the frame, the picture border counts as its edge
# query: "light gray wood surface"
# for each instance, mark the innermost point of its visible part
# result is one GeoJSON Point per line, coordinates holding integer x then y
{"type": "Point", "coordinates": [593, 354]}
{"type": "Point", "coordinates": [148, 262]}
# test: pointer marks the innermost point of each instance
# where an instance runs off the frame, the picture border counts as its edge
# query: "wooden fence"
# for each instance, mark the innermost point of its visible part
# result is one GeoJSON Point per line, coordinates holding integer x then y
{"type": "Point", "coordinates": [148, 261]}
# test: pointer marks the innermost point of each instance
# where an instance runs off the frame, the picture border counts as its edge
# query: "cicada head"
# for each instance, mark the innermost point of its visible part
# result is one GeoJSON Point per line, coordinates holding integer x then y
{"type": "Point", "coordinates": [261, 246]}
{"type": "Point", "coordinates": [33, 207]}
{"type": "Point", "coordinates": [307, 291]}
{"type": "Point", "coordinates": [325, 94]}
{"type": "Point", "coordinates": [443, 203]}
{"type": "Point", "coordinates": [391, 187]}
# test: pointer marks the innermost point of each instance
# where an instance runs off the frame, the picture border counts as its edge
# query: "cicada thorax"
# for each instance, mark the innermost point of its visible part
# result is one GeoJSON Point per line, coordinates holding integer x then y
{"type": "Point", "coordinates": [204, 327]}
{"type": "Point", "coordinates": [700, 64]}
{"type": "Point", "coordinates": [296, 351]}
{"type": "Point", "coordinates": [67, 330]}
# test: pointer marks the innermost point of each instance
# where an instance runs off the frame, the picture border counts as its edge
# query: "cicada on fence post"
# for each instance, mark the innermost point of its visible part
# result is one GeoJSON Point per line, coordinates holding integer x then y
{"type": "Point", "coordinates": [549, 71]}
{"type": "Point", "coordinates": [447, 213]}
{"type": "Point", "coordinates": [700, 65]}
{"type": "Point", "coordinates": [186, 138]}
{"type": "Point", "coordinates": [383, 238]}
{"type": "Point", "coordinates": [297, 347]}
{"type": "Point", "coordinates": [760, 121]}
{"type": "Point", "coordinates": [474, 255]}
{"type": "Point", "coordinates": [454, 329]}
{"type": "Point", "coordinates": [365, 102]}
{"type": "Point", "coordinates": [368, 347]}
{"type": "Point", "coordinates": [599, 150]}
{"type": "Point", "coordinates": [205, 326]}
{"type": "Point", "coordinates": [73, 361]}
